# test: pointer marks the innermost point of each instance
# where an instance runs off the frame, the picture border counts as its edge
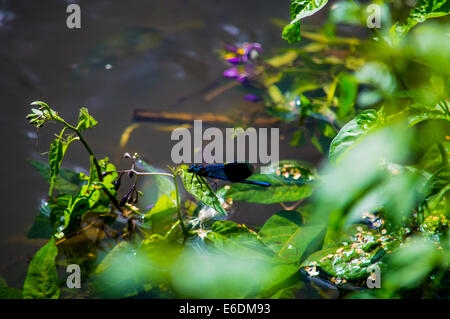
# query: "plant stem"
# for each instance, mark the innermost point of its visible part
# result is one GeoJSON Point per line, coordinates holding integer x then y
{"type": "Point", "coordinates": [91, 153]}
{"type": "Point", "coordinates": [146, 173]}
{"type": "Point", "coordinates": [179, 203]}
{"type": "Point", "coordinates": [86, 146]}
{"type": "Point", "coordinates": [112, 198]}
{"type": "Point", "coordinates": [444, 155]}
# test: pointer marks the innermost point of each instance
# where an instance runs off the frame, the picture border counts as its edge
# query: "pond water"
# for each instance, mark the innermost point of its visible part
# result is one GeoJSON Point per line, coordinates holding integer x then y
{"type": "Point", "coordinates": [127, 55]}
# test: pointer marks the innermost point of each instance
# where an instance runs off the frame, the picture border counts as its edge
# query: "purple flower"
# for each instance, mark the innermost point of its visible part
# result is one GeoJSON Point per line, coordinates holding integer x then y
{"type": "Point", "coordinates": [235, 60]}
{"type": "Point", "coordinates": [230, 48]}
{"type": "Point", "coordinates": [232, 73]}
{"type": "Point", "coordinates": [252, 97]}
{"type": "Point", "coordinates": [251, 51]}
{"type": "Point", "coordinates": [246, 52]}
{"type": "Point", "coordinates": [242, 78]}
{"type": "Point", "coordinates": [243, 60]}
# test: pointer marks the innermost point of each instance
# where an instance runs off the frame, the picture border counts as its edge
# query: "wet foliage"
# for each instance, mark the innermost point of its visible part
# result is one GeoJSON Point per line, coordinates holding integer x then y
{"type": "Point", "coordinates": [378, 109]}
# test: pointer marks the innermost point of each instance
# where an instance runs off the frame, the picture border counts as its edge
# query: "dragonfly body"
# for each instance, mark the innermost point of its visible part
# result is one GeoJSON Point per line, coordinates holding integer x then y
{"type": "Point", "coordinates": [233, 172]}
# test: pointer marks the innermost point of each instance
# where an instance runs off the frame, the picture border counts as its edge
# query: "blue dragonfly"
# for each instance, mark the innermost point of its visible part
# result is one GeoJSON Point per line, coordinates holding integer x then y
{"type": "Point", "coordinates": [233, 172]}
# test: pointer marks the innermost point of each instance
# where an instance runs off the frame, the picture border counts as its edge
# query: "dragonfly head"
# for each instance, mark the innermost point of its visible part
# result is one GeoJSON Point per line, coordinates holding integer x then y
{"type": "Point", "coordinates": [192, 168]}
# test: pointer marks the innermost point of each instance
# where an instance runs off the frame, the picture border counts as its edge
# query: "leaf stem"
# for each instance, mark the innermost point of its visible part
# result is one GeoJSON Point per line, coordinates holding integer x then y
{"type": "Point", "coordinates": [85, 144]}
{"type": "Point", "coordinates": [443, 152]}
{"type": "Point", "coordinates": [146, 173]}
{"type": "Point", "coordinates": [178, 202]}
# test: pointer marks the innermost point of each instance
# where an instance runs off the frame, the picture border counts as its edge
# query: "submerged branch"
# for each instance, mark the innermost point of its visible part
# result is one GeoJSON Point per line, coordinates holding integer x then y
{"type": "Point", "coordinates": [210, 118]}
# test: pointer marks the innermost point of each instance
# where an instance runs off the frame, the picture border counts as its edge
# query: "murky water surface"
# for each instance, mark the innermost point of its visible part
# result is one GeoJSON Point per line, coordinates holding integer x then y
{"type": "Point", "coordinates": [127, 55]}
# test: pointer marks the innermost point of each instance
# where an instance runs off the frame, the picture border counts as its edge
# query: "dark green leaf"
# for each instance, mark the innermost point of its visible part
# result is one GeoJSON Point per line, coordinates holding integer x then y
{"type": "Point", "coordinates": [351, 259]}
{"type": "Point", "coordinates": [231, 262]}
{"type": "Point", "coordinates": [286, 235]}
{"type": "Point", "coordinates": [200, 190]}
{"type": "Point", "coordinates": [129, 269]}
{"type": "Point", "coordinates": [281, 190]}
{"type": "Point", "coordinates": [42, 226]}
{"type": "Point", "coordinates": [55, 157]}
{"type": "Point", "coordinates": [290, 181]}
{"type": "Point", "coordinates": [411, 264]}
{"type": "Point", "coordinates": [42, 278]}
{"type": "Point", "coordinates": [437, 186]}
{"type": "Point", "coordinates": [56, 154]}
{"type": "Point", "coordinates": [8, 292]}
{"type": "Point", "coordinates": [67, 181]}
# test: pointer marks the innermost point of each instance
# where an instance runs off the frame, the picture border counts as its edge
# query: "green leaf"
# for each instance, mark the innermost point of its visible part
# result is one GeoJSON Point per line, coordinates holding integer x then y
{"type": "Point", "coordinates": [45, 113]}
{"type": "Point", "coordinates": [40, 103]}
{"type": "Point", "coordinates": [85, 120]}
{"type": "Point", "coordinates": [42, 226]}
{"type": "Point", "coordinates": [200, 190]}
{"type": "Point", "coordinates": [130, 268]}
{"type": "Point", "coordinates": [56, 154]}
{"type": "Point", "coordinates": [286, 235]}
{"type": "Point", "coordinates": [432, 160]}
{"type": "Point", "coordinates": [55, 157]}
{"type": "Point", "coordinates": [437, 186]}
{"type": "Point", "coordinates": [426, 9]}
{"type": "Point", "coordinates": [300, 9]}
{"type": "Point", "coordinates": [291, 33]}
{"type": "Point", "coordinates": [162, 215]}
{"type": "Point", "coordinates": [281, 190]}
{"type": "Point", "coordinates": [348, 89]}
{"type": "Point", "coordinates": [283, 59]}
{"type": "Point", "coordinates": [42, 278]}
{"type": "Point", "coordinates": [425, 115]}
{"type": "Point", "coordinates": [287, 293]}
{"type": "Point", "coordinates": [411, 264]}
{"type": "Point", "coordinates": [353, 133]}
{"type": "Point", "coordinates": [230, 261]}
{"type": "Point", "coordinates": [67, 180]}
{"type": "Point", "coordinates": [117, 274]}
{"type": "Point", "coordinates": [106, 166]}
{"type": "Point", "coordinates": [364, 180]}
{"type": "Point", "coordinates": [290, 181]}
{"type": "Point", "coordinates": [90, 197]}
{"type": "Point", "coordinates": [422, 11]}
{"type": "Point", "coordinates": [8, 292]}
{"type": "Point", "coordinates": [350, 255]}
{"type": "Point", "coordinates": [234, 238]}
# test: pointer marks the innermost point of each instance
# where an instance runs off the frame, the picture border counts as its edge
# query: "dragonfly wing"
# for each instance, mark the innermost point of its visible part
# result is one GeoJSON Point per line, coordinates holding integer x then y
{"type": "Point", "coordinates": [215, 171]}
